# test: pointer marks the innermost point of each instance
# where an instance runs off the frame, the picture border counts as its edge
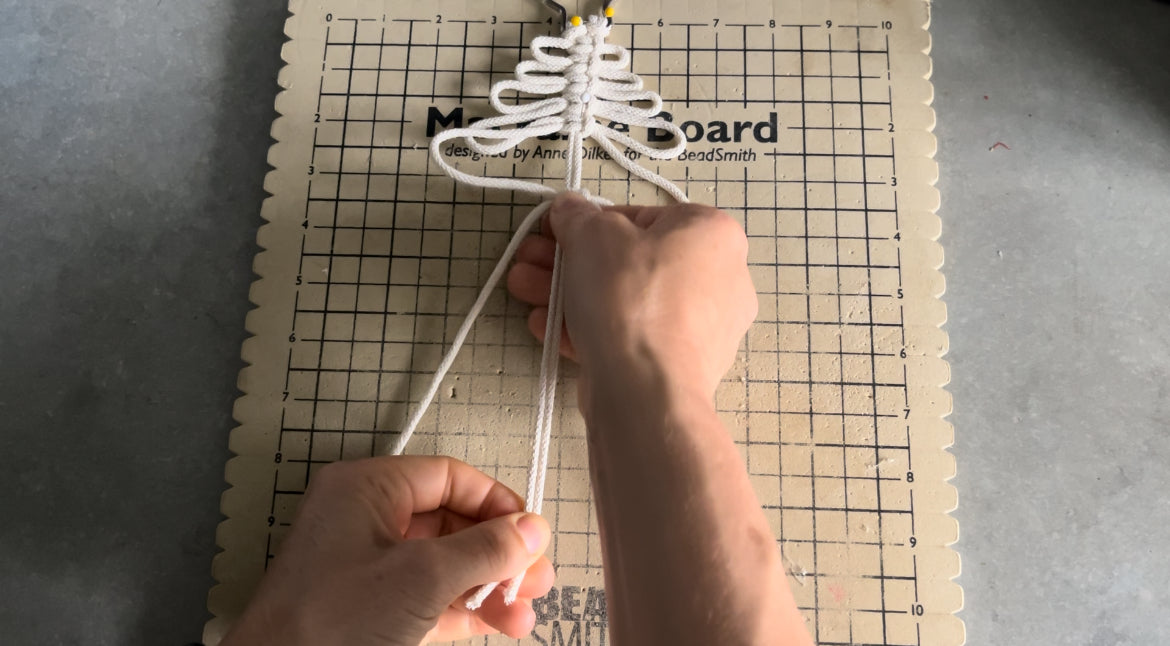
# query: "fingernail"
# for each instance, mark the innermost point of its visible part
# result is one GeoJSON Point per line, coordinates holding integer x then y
{"type": "Point", "coordinates": [532, 529]}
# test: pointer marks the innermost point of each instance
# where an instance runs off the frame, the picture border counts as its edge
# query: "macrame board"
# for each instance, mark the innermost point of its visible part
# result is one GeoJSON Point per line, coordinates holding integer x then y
{"type": "Point", "coordinates": [371, 257]}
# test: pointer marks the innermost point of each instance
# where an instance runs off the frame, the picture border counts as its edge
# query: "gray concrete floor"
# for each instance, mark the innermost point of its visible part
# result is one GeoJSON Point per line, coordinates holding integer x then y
{"type": "Point", "coordinates": [134, 135]}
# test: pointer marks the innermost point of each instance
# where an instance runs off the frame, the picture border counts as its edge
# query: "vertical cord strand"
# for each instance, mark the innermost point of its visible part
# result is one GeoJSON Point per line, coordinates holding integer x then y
{"type": "Point", "coordinates": [587, 82]}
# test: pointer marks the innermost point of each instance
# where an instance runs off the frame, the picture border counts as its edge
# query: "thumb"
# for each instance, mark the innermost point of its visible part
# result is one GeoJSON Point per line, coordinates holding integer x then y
{"type": "Point", "coordinates": [568, 211]}
{"type": "Point", "coordinates": [493, 550]}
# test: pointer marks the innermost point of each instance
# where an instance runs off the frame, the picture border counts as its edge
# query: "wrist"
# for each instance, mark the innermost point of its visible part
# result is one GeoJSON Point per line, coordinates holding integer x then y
{"type": "Point", "coordinates": [277, 616]}
{"type": "Point", "coordinates": [260, 628]}
{"type": "Point", "coordinates": [636, 381]}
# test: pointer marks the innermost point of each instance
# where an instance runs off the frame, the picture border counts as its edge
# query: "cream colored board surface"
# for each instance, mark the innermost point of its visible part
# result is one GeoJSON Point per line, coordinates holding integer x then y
{"type": "Point", "coordinates": [371, 256]}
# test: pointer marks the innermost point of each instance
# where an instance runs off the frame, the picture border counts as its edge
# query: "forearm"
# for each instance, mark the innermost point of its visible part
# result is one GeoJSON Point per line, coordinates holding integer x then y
{"type": "Point", "coordinates": [689, 556]}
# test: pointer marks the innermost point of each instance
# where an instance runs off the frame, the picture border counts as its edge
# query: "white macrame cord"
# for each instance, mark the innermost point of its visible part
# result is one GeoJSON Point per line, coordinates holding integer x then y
{"type": "Point", "coordinates": [587, 82]}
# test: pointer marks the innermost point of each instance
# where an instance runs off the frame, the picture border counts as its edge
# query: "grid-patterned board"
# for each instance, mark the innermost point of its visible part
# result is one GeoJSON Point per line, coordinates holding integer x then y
{"type": "Point", "coordinates": [372, 256]}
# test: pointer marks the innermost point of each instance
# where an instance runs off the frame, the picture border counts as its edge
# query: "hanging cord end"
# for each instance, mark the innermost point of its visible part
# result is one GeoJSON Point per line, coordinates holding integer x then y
{"type": "Point", "coordinates": [510, 593]}
{"type": "Point", "coordinates": [513, 590]}
{"type": "Point", "coordinates": [476, 600]}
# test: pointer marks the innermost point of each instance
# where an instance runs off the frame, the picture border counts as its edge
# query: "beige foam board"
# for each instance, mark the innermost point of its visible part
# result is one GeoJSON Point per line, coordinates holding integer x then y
{"type": "Point", "coordinates": [371, 257]}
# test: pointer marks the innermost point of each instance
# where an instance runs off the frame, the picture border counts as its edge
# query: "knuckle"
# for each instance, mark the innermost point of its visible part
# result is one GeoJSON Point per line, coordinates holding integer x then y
{"type": "Point", "coordinates": [718, 220]}
{"type": "Point", "coordinates": [445, 464]}
{"type": "Point", "coordinates": [738, 239]}
{"type": "Point", "coordinates": [730, 226]}
{"type": "Point", "coordinates": [603, 221]}
{"type": "Point", "coordinates": [695, 210]}
{"type": "Point", "coordinates": [751, 305]}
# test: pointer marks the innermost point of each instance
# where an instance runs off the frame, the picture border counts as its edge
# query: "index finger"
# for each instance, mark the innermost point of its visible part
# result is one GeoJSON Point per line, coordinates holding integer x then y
{"type": "Point", "coordinates": [439, 482]}
{"type": "Point", "coordinates": [645, 217]}
{"type": "Point", "coordinates": [641, 216]}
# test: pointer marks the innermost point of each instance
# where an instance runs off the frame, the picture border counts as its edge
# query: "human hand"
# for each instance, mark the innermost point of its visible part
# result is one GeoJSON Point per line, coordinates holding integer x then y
{"type": "Point", "coordinates": [384, 551]}
{"type": "Point", "coordinates": [666, 286]}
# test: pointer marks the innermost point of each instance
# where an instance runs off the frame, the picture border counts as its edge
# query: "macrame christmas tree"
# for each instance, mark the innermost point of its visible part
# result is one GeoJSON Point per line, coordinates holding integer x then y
{"type": "Point", "coordinates": [584, 82]}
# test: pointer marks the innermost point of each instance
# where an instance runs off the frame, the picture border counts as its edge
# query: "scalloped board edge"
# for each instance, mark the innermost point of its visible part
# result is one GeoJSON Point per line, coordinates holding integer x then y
{"type": "Point", "coordinates": [235, 568]}
{"type": "Point", "coordinates": [250, 474]}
